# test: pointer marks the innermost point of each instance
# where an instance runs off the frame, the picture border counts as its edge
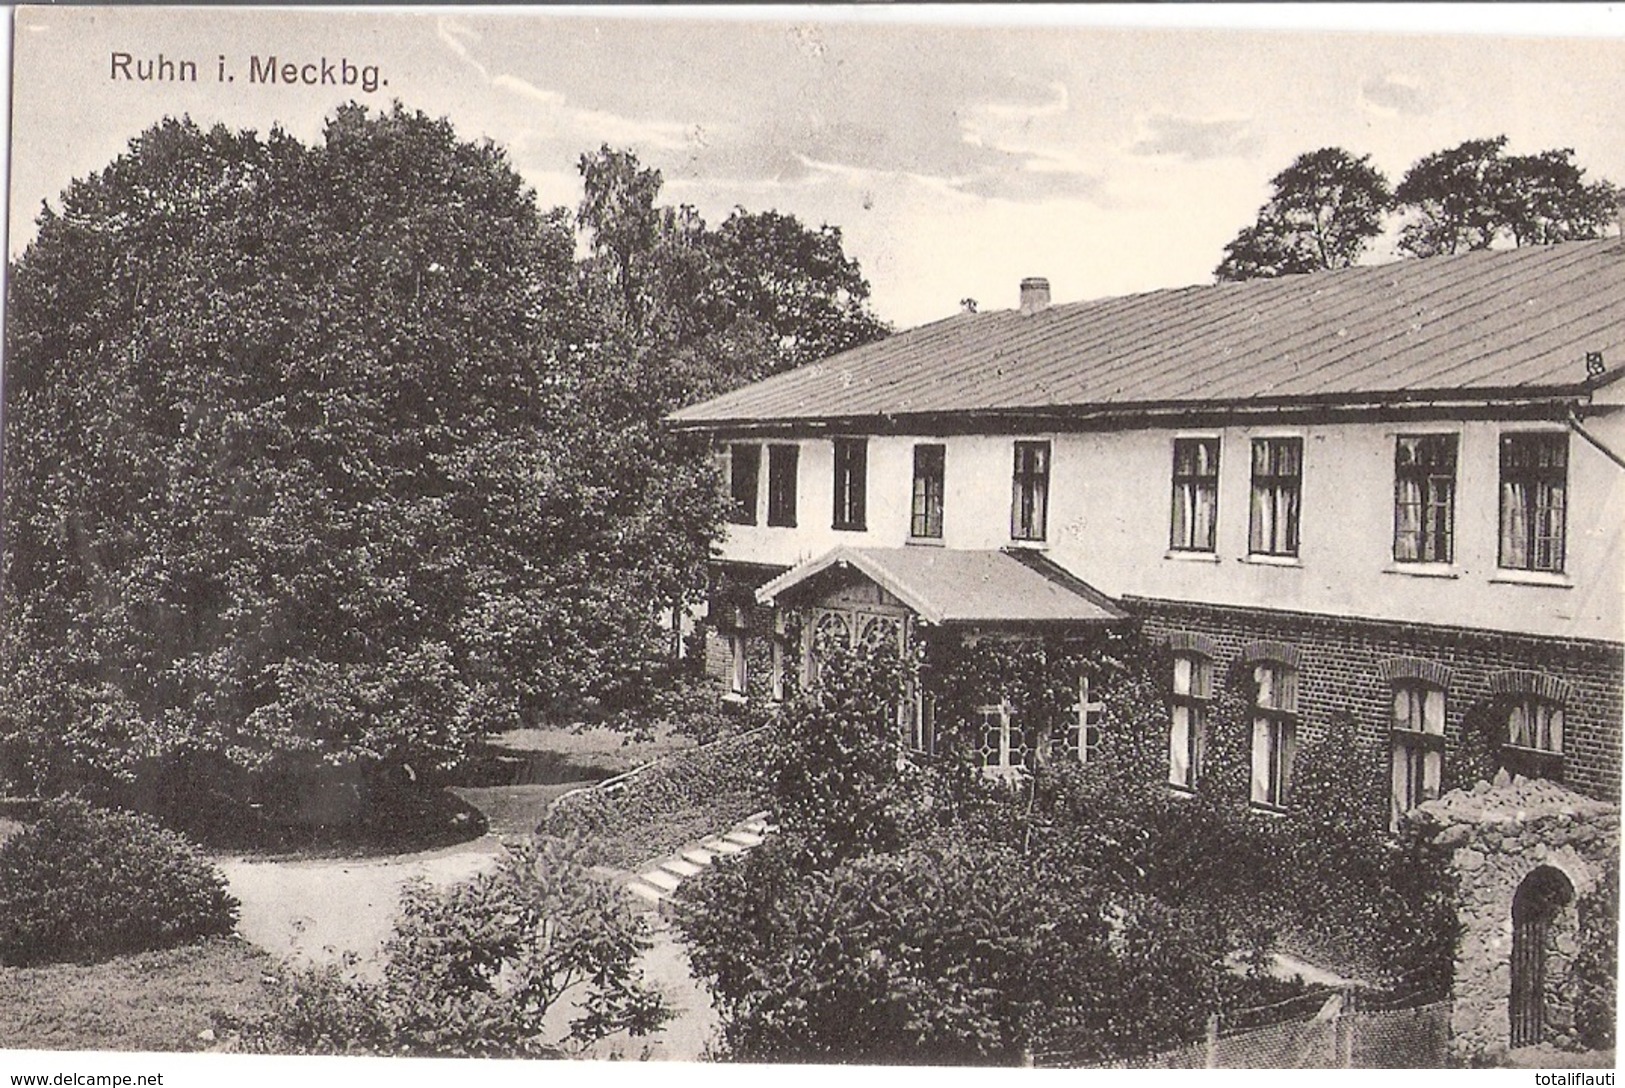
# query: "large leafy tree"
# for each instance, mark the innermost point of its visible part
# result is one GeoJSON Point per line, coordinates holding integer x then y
{"type": "Point", "coordinates": [1474, 195]}
{"type": "Point", "coordinates": [1456, 198]}
{"type": "Point", "coordinates": [710, 309]}
{"type": "Point", "coordinates": [313, 467]}
{"type": "Point", "coordinates": [1323, 211]}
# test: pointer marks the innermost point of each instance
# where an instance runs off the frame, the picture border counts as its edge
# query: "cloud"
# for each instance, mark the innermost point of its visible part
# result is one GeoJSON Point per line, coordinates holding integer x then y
{"type": "Point", "coordinates": [1195, 139]}
{"type": "Point", "coordinates": [457, 35]}
{"type": "Point", "coordinates": [995, 123]}
{"type": "Point", "coordinates": [1397, 94]}
{"type": "Point", "coordinates": [557, 116]}
{"type": "Point", "coordinates": [1036, 181]}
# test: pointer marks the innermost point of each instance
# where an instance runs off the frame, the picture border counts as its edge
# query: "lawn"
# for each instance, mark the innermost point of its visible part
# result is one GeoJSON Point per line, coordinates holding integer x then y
{"type": "Point", "coordinates": [522, 772]}
{"type": "Point", "coordinates": [148, 1001]}
{"type": "Point", "coordinates": [163, 1001]}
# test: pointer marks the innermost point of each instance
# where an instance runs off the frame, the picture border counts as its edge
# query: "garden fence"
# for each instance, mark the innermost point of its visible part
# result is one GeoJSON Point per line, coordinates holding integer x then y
{"type": "Point", "coordinates": [1327, 1030]}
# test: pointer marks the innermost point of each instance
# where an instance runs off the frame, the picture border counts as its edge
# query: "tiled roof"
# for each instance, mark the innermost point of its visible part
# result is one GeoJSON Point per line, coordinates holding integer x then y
{"type": "Point", "coordinates": [1479, 324]}
{"type": "Point", "coordinates": [943, 585]}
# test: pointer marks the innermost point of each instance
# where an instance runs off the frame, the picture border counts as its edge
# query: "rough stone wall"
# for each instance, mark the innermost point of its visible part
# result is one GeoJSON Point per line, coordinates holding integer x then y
{"type": "Point", "coordinates": [1344, 664]}
{"type": "Point", "coordinates": [1497, 835]}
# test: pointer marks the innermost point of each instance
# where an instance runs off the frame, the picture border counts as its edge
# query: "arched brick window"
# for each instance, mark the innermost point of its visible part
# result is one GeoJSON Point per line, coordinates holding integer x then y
{"type": "Point", "coordinates": [1416, 761]}
{"type": "Point", "coordinates": [1533, 705]}
{"type": "Point", "coordinates": [1189, 702]}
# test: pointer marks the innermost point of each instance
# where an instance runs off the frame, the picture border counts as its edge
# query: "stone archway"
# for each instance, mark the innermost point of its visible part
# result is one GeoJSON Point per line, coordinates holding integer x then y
{"type": "Point", "coordinates": [1523, 853]}
{"type": "Point", "coordinates": [1536, 906]}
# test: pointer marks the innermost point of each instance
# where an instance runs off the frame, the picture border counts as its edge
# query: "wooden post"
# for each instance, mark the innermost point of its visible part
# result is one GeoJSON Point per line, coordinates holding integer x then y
{"type": "Point", "coordinates": [1213, 1041]}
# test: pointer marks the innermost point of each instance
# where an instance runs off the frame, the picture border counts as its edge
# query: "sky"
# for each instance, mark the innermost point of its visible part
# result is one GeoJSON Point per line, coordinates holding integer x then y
{"type": "Point", "coordinates": [1110, 150]}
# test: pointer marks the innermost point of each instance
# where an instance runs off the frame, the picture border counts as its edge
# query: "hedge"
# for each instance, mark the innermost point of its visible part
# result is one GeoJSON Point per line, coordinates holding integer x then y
{"type": "Point", "coordinates": [673, 801]}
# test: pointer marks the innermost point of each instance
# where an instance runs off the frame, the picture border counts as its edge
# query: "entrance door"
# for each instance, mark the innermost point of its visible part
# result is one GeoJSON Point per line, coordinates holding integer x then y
{"type": "Point", "coordinates": [1542, 894]}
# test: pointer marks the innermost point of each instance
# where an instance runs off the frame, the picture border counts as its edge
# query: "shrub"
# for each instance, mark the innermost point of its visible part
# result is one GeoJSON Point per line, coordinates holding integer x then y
{"type": "Point", "coordinates": [1596, 966]}
{"type": "Point", "coordinates": [473, 970]}
{"type": "Point", "coordinates": [946, 952]}
{"type": "Point", "coordinates": [84, 883]}
{"type": "Point", "coordinates": [840, 776]}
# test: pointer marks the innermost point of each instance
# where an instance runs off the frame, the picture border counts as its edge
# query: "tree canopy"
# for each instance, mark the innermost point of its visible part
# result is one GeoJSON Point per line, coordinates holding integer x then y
{"type": "Point", "coordinates": [1328, 205]}
{"type": "Point", "coordinates": [714, 308]}
{"type": "Point", "coordinates": [324, 459]}
{"type": "Point", "coordinates": [1473, 195]}
{"type": "Point", "coordinates": [1325, 208]}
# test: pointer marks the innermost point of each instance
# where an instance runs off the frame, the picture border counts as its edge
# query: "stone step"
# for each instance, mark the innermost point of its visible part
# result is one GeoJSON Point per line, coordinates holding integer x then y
{"type": "Point", "coordinates": [645, 891]}
{"type": "Point", "coordinates": [679, 867]}
{"type": "Point", "coordinates": [722, 846]}
{"type": "Point", "coordinates": [699, 856]}
{"type": "Point", "coordinates": [661, 879]}
{"type": "Point", "coordinates": [755, 827]}
{"type": "Point", "coordinates": [763, 816]}
{"type": "Point", "coordinates": [743, 838]}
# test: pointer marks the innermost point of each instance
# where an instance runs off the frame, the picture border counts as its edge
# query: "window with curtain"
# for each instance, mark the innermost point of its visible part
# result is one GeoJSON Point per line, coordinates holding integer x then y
{"type": "Point", "coordinates": [1275, 720]}
{"type": "Point", "coordinates": [1187, 738]}
{"type": "Point", "coordinates": [1418, 746]}
{"type": "Point", "coordinates": [1534, 499]}
{"type": "Point", "coordinates": [738, 663]}
{"type": "Point", "coordinates": [1196, 495]}
{"type": "Point", "coordinates": [1029, 501]}
{"type": "Point", "coordinates": [925, 517]}
{"type": "Point", "coordinates": [1277, 491]}
{"type": "Point", "coordinates": [1424, 498]}
{"type": "Point", "coordinates": [851, 483]}
{"type": "Point", "coordinates": [744, 471]}
{"type": "Point", "coordinates": [1534, 744]}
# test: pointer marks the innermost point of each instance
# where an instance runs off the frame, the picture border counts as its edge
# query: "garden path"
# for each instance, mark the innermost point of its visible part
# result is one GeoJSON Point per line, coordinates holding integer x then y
{"type": "Point", "coordinates": [315, 911]}
{"type": "Point", "coordinates": [686, 1036]}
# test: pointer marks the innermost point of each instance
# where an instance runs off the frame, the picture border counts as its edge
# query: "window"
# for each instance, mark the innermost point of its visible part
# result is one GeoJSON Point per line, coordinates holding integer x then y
{"type": "Point", "coordinates": [1277, 488]}
{"type": "Point", "coordinates": [1196, 494]}
{"type": "Point", "coordinates": [781, 485]}
{"type": "Point", "coordinates": [925, 519]}
{"type": "Point", "coordinates": [1029, 503]}
{"type": "Point", "coordinates": [1418, 746]}
{"type": "Point", "coordinates": [851, 482]}
{"type": "Point", "coordinates": [1275, 713]}
{"type": "Point", "coordinates": [744, 469]}
{"type": "Point", "coordinates": [1424, 498]}
{"type": "Point", "coordinates": [1534, 746]}
{"type": "Point", "coordinates": [1187, 739]}
{"type": "Point", "coordinates": [1004, 746]}
{"type": "Point", "coordinates": [738, 663]}
{"type": "Point", "coordinates": [1083, 731]}
{"type": "Point", "coordinates": [923, 723]}
{"type": "Point", "coordinates": [1534, 491]}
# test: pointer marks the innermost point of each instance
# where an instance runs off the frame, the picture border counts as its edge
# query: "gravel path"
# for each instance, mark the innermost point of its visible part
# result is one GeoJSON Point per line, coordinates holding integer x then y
{"type": "Point", "coordinates": [315, 911]}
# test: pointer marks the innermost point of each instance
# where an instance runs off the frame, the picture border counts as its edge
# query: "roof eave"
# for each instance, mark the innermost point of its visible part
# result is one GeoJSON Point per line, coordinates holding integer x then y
{"type": "Point", "coordinates": [1151, 412]}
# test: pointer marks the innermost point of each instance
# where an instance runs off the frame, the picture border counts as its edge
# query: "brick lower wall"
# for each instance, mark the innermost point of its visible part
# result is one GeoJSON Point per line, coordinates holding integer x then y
{"type": "Point", "coordinates": [731, 607]}
{"type": "Point", "coordinates": [1345, 664]}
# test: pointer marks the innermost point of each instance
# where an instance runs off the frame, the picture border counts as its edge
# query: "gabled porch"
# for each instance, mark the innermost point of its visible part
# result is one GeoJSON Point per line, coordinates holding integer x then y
{"type": "Point", "coordinates": [906, 597]}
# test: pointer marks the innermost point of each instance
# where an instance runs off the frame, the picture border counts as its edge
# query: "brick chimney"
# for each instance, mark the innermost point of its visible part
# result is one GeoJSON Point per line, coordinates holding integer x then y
{"type": "Point", "coordinates": [1034, 295]}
